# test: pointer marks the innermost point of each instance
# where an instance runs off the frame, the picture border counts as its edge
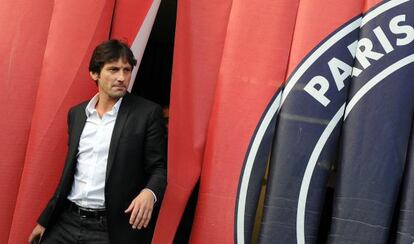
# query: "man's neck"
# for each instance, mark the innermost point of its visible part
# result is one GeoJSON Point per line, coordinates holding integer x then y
{"type": "Point", "coordinates": [104, 104]}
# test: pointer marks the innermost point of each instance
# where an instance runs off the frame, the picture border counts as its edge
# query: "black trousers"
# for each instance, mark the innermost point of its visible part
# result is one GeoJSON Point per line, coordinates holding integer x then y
{"type": "Point", "coordinates": [72, 228]}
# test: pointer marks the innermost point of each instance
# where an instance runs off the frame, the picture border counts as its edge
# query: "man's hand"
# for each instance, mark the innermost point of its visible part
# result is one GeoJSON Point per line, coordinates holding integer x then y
{"type": "Point", "coordinates": [141, 209]}
{"type": "Point", "coordinates": [37, 233]}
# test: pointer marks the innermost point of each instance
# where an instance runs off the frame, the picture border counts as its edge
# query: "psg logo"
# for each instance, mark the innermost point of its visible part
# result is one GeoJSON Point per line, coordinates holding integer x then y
{"type": "Point", "coordinates": [365, 62]}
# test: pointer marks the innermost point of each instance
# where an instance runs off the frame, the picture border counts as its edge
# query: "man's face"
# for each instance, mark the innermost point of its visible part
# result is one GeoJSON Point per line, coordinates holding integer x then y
{"type": "Point", "coordinates": [114, 78]}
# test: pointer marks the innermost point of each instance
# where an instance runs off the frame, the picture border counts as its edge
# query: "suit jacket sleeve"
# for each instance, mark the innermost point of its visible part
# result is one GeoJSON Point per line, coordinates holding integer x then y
{"type": "Point", "coordinates": [155, 153]}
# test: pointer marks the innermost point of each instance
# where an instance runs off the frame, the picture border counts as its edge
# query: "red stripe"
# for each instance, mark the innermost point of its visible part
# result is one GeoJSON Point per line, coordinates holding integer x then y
{"type": "Point", "coordinates": [22, 52]}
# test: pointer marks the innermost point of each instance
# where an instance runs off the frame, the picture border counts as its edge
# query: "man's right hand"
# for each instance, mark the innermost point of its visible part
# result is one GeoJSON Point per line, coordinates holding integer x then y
{"type": "Point", "coordinates": [37, 233]}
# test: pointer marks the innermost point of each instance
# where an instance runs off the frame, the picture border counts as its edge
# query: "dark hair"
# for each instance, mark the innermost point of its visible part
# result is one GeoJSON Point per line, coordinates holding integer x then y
{"type": "Point", "coordinates": [109, 51]}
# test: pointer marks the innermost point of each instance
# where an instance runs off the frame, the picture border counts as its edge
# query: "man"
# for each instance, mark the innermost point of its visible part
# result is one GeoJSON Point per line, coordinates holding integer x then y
{"type": "Point", "coordinates": [115, 167]}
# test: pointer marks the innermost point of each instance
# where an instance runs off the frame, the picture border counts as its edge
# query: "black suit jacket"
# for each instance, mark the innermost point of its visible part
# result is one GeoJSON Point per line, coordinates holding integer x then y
{"type": "Point", "coordinates": [136, 160]}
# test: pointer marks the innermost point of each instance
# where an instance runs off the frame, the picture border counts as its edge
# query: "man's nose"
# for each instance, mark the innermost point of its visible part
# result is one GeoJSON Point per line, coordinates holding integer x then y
{"type": "Point", "coordinates": [121, 76]}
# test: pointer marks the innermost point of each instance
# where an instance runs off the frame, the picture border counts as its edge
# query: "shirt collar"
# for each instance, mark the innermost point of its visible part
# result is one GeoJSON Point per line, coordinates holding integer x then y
{"type": "Point", "coordinates": [90, 108]}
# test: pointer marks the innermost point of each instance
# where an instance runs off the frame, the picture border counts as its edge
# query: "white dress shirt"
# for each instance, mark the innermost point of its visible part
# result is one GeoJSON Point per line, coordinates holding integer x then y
{"type": "Point", "coordinates": [88, 189]}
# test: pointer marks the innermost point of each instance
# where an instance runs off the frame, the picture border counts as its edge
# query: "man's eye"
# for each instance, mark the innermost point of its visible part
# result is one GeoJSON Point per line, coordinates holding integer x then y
{"type": "Point", "coordinates": [113, 69]}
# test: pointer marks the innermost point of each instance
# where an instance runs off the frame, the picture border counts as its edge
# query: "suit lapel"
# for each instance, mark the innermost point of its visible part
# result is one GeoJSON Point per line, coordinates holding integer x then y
{"type": "Point", "coordinates": [77, 121]}
{"type": "Point", "coordinates": [78, 124]}
{"type": "Point", "coordinates": [116, 134]}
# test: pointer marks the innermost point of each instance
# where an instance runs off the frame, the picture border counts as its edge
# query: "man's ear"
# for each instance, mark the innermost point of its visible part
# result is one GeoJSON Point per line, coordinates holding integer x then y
{"type": "Point", "coordinates": [94, 76]}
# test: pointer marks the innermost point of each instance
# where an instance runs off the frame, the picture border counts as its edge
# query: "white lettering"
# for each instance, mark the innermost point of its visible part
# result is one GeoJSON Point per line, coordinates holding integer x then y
{"type": "Point", "coordinates": [352, 49]}
{"type": "Point", "coordinates": [318, 94]}
{"type": "Point", "coordinates": [340, 71]}
{"type": "Point", "coordinates": [383, 40]}
{"type": "Point", "coordinates": [364, 51]}
{"type": "Point", "coordinates": [402, 29]}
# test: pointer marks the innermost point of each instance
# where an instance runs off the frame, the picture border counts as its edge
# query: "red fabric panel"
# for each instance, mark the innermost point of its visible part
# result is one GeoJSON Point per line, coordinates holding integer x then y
{"type": "Point", "coordinates": [128, 18]}
{"type": "Point", "coordinates": [371, 3]}
{"type": "Point", "coordinates": [199, 39]}
{"type": "Point", "coordinates": [21, 51]}
{"type": "Point", "coordinates": [253, 67]}
{"type": "Point", "coordinates": [315, 22]}
{"type": "Point", "coordinates": [74, 32]}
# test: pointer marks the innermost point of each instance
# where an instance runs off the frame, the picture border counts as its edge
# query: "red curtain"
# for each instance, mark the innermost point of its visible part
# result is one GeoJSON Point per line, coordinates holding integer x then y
{"type": "Point", "coordinates": [253, 66]}
{"type": "Point", "coordinates": [200, 33]}
{"type": "Point", "coordinates": [22, 52]}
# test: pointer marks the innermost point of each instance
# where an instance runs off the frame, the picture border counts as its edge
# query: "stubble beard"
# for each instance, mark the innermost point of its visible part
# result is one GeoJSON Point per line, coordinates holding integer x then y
{"type": "Point", "coordinates": [117, 95]}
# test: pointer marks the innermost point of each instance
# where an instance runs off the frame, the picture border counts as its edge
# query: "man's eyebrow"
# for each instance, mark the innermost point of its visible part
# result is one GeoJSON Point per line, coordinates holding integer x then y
{"type": "Point", "coordinates": [115, 66]}
{"type": "Point", "coordinates": [112, 66]}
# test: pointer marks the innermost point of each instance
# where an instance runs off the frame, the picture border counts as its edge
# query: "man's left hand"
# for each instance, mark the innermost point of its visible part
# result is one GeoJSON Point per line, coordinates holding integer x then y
{"type": "Point", "coordinates": [141, 209]}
